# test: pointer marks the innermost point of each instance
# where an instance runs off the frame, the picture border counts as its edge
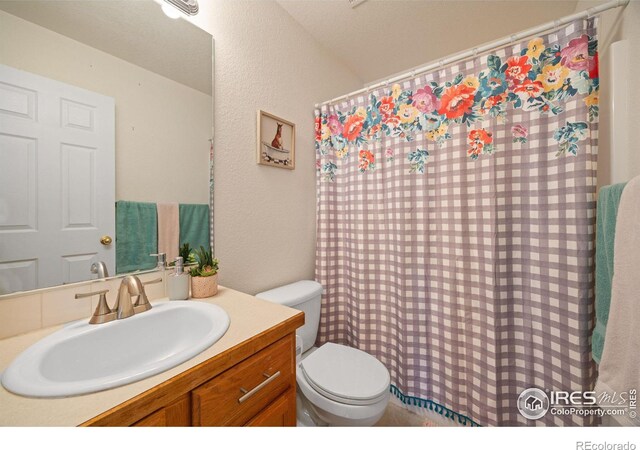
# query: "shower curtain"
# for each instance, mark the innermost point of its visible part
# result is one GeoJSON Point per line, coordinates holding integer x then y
{"type": "Point", "coordinates": [455, 227]}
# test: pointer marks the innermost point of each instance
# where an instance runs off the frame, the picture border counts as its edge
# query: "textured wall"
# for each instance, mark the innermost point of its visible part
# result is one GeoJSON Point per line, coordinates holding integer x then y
{"type": "Point", "coordinates": [615, 25]}
{"type": "Point", "coordinates": [265, 217]}
{"type": "Point", "coordinates": [408, 33]}
{"type": "Point", "coordinates": [162, 148]}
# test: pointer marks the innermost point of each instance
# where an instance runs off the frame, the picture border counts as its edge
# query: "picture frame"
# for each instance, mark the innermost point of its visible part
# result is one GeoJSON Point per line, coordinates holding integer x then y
{"type": "Point", "coordinates": [276, 138]}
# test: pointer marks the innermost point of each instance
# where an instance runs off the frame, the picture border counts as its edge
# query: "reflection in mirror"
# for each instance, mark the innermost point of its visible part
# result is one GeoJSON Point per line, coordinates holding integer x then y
{"type": "Point", "coordinates": [99, 108]}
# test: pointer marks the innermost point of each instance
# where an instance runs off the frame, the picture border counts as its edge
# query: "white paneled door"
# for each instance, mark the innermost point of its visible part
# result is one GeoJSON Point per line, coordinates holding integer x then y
{"type": "Point", "coordinates": [57, 181]}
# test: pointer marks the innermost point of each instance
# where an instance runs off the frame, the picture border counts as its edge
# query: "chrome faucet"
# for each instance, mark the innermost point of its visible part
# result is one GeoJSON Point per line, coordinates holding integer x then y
{"type": "Point", "coordinates": [125, 306]}
{"type": "Point", "coordinates": [100, 268]}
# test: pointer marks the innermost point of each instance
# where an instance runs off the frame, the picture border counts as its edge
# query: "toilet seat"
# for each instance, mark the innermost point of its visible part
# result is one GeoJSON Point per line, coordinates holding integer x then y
{"type": "Point", "coordinates": [346, 375]}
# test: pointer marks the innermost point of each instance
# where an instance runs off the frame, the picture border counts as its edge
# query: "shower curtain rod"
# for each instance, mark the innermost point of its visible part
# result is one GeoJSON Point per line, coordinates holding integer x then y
{"type": "Point", "coordinates": [486, 47]}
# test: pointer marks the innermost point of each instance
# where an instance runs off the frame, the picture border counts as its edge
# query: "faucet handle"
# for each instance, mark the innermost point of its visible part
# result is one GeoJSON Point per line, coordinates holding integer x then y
{"type": "Point", "coordinates": [142, 302]}
{"type": "Point", "coordinates": [102, 313]}
{"type": "Point", "coordinates": [91, 294]}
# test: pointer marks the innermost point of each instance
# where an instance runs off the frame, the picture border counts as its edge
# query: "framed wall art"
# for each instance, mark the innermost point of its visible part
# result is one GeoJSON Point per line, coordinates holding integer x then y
{"type": "Point", "coordinates": [276, 141]}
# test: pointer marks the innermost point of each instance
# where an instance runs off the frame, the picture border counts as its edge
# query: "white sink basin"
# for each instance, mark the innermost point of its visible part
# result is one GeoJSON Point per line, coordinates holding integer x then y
{"type": "Point", "coordinates": [83, 358]}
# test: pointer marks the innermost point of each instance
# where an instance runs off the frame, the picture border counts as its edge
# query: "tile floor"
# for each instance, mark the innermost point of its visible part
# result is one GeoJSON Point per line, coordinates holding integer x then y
{"type": "Point", "coordinates": [397, 416]}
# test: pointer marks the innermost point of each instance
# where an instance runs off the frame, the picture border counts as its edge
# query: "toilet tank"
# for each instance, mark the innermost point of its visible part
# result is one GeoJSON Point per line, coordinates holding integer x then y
{"type": "Point", "coordinates": [302, 295]}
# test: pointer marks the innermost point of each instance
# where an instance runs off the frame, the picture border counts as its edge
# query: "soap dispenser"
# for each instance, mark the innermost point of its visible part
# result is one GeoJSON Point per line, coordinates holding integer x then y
{"type": "Point", "coordinates": [178, 282]}
{"type": "Point", "coordinates": [162, 261]}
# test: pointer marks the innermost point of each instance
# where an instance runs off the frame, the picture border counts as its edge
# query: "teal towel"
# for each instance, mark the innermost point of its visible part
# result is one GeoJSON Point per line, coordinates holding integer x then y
{"type": "Point", "coordinates": [607, 211]}
{"type": "Point", "coordinates": [136, 236]}
{"type": "Point", "coordinates": [194, 225]}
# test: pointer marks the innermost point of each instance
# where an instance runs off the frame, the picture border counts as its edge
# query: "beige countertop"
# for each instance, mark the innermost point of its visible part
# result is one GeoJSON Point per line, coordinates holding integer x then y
{"type": "Point", "coordinates": [249, 316]}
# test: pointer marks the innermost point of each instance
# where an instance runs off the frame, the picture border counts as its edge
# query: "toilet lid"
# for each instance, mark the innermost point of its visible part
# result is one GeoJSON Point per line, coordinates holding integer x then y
{"type": "Point", "coordinates": [346, 374]}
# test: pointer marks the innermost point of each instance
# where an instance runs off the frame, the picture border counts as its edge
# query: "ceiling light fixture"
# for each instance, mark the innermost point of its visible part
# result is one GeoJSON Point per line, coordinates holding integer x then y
{"type": "Point", "coordinates": [174, 8]}
{"type": "Point", "coordinates": [170, 11]}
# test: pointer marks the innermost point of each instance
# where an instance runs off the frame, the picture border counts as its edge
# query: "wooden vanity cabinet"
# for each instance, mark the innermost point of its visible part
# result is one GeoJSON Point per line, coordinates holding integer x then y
{"type": "Point", "coordinates": [280, 413]}
{"type": "Point", "coordinates": [240, 393]}
{"type": "Point", "coordinates": [177, 414]}
{"type": "Point", "coordinates": [251, 384]}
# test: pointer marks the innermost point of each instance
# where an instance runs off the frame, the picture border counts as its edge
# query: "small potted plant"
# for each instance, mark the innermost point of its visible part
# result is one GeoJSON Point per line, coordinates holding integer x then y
{"type": "Point", "coordinates": [204, 275]}
{"type": "Point", "coordinates": [188, 257]}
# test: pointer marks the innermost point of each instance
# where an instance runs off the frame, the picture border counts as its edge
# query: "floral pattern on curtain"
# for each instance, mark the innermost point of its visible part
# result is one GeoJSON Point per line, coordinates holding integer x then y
{"type": "Point", "coordinates": [455, 232]}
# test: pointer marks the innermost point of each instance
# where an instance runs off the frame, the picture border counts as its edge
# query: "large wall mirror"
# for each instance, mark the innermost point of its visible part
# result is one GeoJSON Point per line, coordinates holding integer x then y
{"type": "Point", "coordinates": [100, 102]}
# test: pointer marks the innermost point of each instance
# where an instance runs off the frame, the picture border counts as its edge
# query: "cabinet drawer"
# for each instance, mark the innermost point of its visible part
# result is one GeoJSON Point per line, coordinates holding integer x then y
{"type": "Point", "coordinates": [177, 414]}
{"type": "Point", "coordinates": [237, 395]}
{"type": "Point", "coordinates": [280, 413]}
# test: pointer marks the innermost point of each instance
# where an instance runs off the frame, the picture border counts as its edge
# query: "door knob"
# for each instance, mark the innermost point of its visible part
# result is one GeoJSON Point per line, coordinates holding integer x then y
{"type": "Point", "coordinates": [106, 240]}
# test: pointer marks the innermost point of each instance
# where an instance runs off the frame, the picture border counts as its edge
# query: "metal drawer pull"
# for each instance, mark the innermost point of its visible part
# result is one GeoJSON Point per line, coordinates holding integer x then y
{"type": "Point", "coordinates": [269, 379]}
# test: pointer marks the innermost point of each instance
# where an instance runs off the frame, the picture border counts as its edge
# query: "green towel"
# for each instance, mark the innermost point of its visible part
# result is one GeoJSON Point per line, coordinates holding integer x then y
{"type": "Point", "coordinates": [136, 236]}
{"type": "Point", "coordinates": [607, 211]}
{"type": "Point", "coordinates": [194, 225]}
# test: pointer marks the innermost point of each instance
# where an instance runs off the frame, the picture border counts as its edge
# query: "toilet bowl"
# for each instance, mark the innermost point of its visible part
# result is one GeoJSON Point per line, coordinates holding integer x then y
{"type": "Point", "coordinates": [337, 385]}
{"type": "Point", "coordinates": [342, 386]}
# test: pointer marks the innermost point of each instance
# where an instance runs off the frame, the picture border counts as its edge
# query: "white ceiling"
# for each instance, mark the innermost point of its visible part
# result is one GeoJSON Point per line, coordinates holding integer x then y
{"type": "Point", "coordinates": [380, 38]}
{"type": "Point", "coordinates": [136, 31]}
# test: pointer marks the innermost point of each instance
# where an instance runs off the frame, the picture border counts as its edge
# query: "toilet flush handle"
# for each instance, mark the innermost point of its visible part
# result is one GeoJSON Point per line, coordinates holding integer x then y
{"type": "Point", "coordinates": [247, 394]}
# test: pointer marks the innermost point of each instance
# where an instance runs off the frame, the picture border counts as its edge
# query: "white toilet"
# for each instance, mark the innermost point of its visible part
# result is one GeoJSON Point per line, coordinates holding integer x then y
{"type": "Point", "coordinates": [337, 385]}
